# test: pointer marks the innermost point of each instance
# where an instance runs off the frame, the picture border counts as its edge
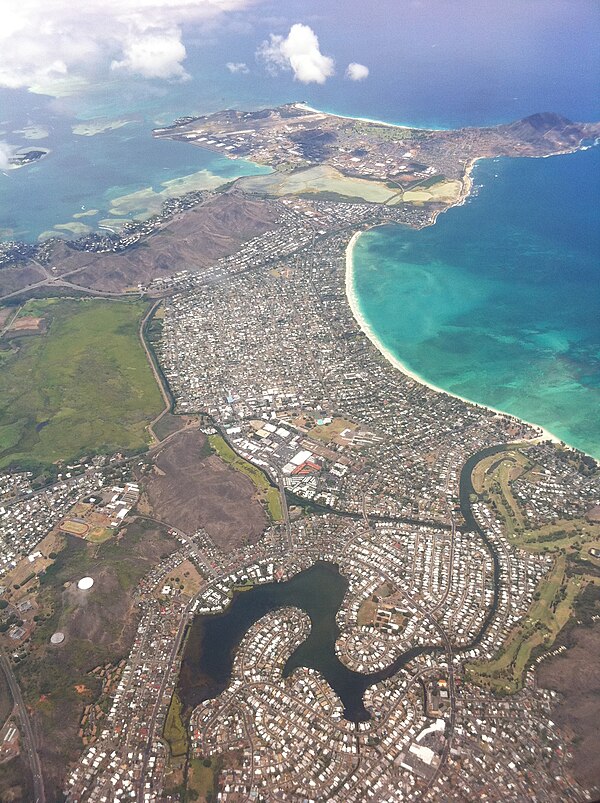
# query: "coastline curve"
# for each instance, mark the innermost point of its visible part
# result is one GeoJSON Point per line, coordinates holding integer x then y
{"type": "Point", "coordinates": [369, 332]}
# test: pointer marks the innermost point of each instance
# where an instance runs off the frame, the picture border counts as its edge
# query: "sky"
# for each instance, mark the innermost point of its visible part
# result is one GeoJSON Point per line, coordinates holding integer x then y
{"type": "Point", "coordinates": [44, 44]}
{"type": "Point", "coordinates": [48, 48]}
{"type": "Point", "coordinates": [437, 63]}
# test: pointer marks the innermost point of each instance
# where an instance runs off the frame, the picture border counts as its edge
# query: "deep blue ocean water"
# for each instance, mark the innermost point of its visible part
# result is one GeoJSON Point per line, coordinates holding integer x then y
{"type": "Point", "coordinates": [446, 63]}
{"type": "Point", "coordinates": [498, 301]}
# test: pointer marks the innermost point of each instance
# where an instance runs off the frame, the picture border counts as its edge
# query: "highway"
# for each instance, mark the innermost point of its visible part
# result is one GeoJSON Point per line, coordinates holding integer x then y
{"type": "Point", "coordinates": [29, 750]}
{"type": "Point", "coordinates": [160, 698]}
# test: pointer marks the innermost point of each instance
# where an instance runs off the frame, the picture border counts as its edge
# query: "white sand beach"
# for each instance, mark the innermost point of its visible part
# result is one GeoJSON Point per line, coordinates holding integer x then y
{"type": "Point", "coordinates": [369, 332]}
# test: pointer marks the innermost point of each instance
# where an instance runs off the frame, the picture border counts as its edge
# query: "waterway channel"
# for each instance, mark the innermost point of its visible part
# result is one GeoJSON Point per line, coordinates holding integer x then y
{"type": "Point", "coordinates": [319, 591]}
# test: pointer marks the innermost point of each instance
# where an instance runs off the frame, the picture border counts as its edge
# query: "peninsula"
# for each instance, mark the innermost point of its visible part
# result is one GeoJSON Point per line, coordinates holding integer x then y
{"type": "Point", "coordinates": [328, 157]}
{"type": "Point", "coordinates": [460, 548]}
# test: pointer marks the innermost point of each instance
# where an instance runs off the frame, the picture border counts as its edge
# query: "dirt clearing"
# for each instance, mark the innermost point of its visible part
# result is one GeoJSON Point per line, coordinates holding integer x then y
{"type": "Point", "coordinates": [191, 488]}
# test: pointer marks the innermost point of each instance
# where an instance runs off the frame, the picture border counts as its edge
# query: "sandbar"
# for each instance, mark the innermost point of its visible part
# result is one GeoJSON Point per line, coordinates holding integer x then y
{"type": "Point", "coordinates": [97, 126]}
{"type": "Point", "coordinates": [75, 228]}
{"type": "Point", "coordinates": [146, 202]}
{"type": "Point", "coordinates": [34, 132]}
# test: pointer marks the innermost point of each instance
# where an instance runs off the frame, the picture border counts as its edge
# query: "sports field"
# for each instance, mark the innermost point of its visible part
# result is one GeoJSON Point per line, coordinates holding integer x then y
{"type": "Point", "coordinates": [568, 540]}
{"type": "Point", "coordinates": [84, 386]}
{"type": "Point", "coordinates": [75, 527]}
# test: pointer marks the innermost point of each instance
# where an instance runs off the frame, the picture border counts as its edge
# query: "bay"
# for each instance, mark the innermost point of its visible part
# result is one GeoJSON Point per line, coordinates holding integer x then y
{"type": "Point", "coordinates": [499, 301]}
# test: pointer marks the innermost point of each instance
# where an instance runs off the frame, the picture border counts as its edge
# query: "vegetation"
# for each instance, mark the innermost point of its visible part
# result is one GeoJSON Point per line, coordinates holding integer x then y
{"type": "Point", "coordinates": [6, 702]}
{"type": "Point", "coordinates": [175, 732]}
{"type": "Point", "coordinates": [16, 782]}
{"type": "Point", "coordinates": [557, 594]}
{"type": "Point", "coordinates": [166, 425]}
{"type": "Point", "coordinates": [202, 777]}
{"type": "Point", "coordinates": [551, 609]}
{"type": "Point", "coordinates": [83, 386]}
{"type": "Point", "coordinates": [152, 332]}
{"type": "Point", "coordinates": [383, 132]}
{"type": "Point", "coordinates": [55, 681]}
{"type": "Point", "coordinates": [573, 537]}
{"type": "Point", "coordinates": [267, 493]}
{"type": "Point", "coordinates": [492, 478]}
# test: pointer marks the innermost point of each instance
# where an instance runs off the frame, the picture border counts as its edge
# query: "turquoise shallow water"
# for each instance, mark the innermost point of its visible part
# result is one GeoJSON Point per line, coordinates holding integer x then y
{"type": "Point", "coordinates": [89, 172]}
{"type": "Point", "coordinates": [500, 300]}
{"type": "Point", "coordinates": [504, 61]}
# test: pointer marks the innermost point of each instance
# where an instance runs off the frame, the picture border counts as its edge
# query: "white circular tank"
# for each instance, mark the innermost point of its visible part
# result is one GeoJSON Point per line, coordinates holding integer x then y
{"type": "Point", "coordinates": [85, 583]}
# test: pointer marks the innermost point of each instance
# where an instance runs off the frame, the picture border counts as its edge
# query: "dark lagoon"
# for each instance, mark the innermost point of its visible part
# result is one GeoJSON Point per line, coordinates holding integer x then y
{"type": "Point", "coordinates": [319, 591]}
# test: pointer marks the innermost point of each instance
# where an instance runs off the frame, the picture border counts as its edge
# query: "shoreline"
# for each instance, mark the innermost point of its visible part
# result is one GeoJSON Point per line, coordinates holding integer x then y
{"type": "Point", "coordinates": [368, 331]}
{"type": "Point", "coordinates": [368, 119]}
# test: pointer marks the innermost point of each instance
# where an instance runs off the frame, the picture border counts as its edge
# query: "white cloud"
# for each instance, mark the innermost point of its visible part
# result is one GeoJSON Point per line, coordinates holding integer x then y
{"type": "Point", "coordinates": [47, 44]}
{"type": "Point", "coordinates": [154, 55]}
{"type": "Point", "coordinates": [299, 51]}
{"type": "Point", "coordinates": [6, 151]}
{"type": "Point", "coordinates": [356, 72]}
{"type": "Point", "coordinates": [237, 67]}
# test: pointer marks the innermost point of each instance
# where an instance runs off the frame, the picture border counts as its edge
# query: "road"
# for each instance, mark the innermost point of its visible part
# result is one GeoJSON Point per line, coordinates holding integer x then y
{"type": "Point", "coordinates": [286, 512]}
{"type": "Point", "coordinates": [450, 658]}
{"type": "Point", "coordinates": [167, 675]}
{"type": "Point", "coordinates": [448, 649]}
{"type": "Point", "coordinates": [10, 320]}
{"type": "Point", "coordinates": [64, 284]}
{"type": "Point", "coordinates": [29, 750]}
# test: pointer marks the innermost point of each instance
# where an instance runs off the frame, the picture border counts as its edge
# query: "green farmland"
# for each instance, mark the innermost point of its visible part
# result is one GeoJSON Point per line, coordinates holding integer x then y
{"type": "Point", "coordinates": [82, 386]}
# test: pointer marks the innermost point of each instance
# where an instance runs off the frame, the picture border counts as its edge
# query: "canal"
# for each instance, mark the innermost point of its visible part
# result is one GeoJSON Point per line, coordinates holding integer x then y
{"type": "Point", "coordinates": [318, 591]}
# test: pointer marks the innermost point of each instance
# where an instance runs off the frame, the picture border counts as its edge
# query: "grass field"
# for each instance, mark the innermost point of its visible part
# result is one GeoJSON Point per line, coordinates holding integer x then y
{"type": "Point", "coordinates": [573, 537]}
{"type": "Point", "coordinates": [546, 617]}
{"type": "Point", "coordinates": [327, 432]}
{"type": "Point", "coordinates": [568, 540]}
{"type": "Point", "coordinates": [493, 476]}
{"type": "Point", "coordinates": [83, 387]}
{"type": "Point", "coordinates": [174, 731]}
{"type": "Point", "coordinates": [202, 778]}
{"type": "Point", "coordinates": [267, 493]}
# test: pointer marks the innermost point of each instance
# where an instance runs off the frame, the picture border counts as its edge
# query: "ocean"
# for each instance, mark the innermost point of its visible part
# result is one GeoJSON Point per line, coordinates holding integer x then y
{"type": "Point", "coordinates": [497, 301]}
{"type": "Point", "coordinates": [501, 62]}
